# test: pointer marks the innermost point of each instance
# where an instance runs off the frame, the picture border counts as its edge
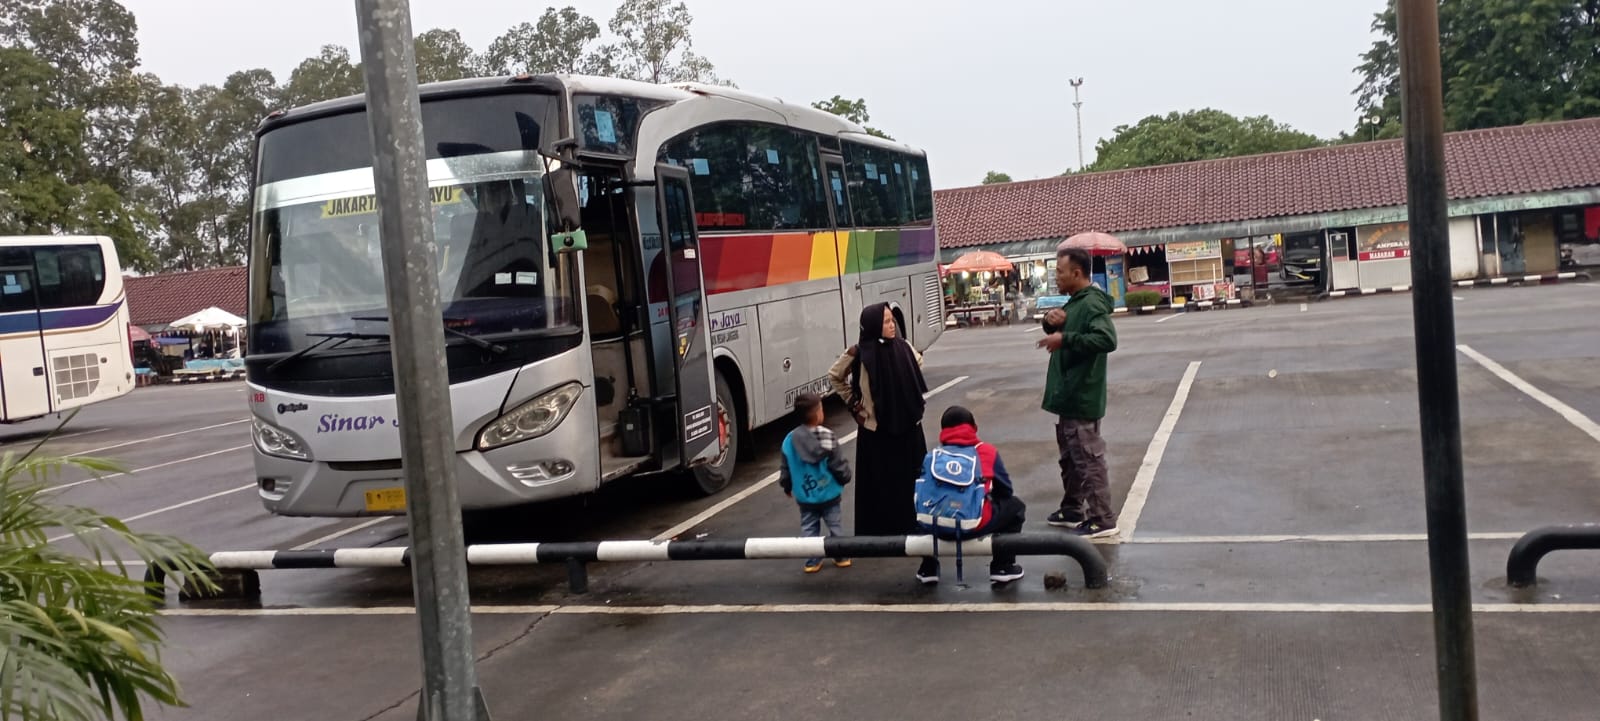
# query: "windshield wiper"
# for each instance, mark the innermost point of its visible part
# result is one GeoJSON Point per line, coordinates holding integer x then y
{"type": "Point", "coordinates": [326, 337]}
{"type": "Point", "coordinates": [495, 348]}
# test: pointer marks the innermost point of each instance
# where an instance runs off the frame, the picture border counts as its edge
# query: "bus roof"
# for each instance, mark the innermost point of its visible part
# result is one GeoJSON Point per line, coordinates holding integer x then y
{"type": "Point", "coordinates": [800, 116]}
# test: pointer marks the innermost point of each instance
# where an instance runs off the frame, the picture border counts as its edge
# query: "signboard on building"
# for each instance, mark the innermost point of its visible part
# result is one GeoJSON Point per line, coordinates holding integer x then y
{"type": "Point", "coordinates": [1194, 249]}
{"type": "Point", "coordinates": [1383, 242]}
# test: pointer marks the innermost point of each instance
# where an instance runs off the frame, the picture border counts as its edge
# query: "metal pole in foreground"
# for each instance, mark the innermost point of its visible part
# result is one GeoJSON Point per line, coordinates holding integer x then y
{"type": "Point", "coordinates": [1433, 311]}
{"type": "Point", "coordinates": [422, 390]}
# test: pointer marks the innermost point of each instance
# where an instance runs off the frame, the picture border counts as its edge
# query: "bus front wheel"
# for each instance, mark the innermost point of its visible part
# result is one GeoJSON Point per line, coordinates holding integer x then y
{"type": "Point", "coordinates": [710, 478]}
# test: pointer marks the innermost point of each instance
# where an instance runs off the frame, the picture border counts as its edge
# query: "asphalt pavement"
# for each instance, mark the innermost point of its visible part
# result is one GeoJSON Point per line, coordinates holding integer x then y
{"type": "Point", "coordinates": [1273, 562]}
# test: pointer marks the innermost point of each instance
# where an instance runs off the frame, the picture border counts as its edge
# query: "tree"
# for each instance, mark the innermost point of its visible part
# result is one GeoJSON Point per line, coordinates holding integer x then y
{"type": "Point", "coordinates": [854, 111]}
{"type": "Point", "coordinates": [557, 43]}
{"type": "Point", "coordinates": [654, 44]}
{"type": "Point", "coordinates": [328, 75]}
{"type": "Point", "coordinates": [995, 177]}
{"type": "Point", "coordinates": [46, 181]}
{"type": "Point", "coordinates": [79, 639]}
{"type": "Point", "coordinates": [443, 55]}
{"type": "Point", "coordinates": [1195, 135]}
{"type": "Point", "coordinates": [1503, 62]}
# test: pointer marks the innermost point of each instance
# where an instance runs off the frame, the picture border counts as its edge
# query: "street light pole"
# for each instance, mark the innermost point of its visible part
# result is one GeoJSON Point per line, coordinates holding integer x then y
{"type": "Point", "coordinates": [422, 389]}
{"type": "Point", "coordinates": [1438, 393]}
{"type": "Point", "coordinates": [1077, 109]}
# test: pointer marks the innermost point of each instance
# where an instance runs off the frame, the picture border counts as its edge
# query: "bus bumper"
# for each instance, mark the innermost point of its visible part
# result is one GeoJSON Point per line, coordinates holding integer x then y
{"type": "Point", "coordinates": [564, 462]}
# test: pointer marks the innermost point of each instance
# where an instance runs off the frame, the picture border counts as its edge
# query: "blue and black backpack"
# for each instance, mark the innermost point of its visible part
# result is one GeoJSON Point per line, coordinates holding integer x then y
{"type": "Point", "coordinates": [952, 495]}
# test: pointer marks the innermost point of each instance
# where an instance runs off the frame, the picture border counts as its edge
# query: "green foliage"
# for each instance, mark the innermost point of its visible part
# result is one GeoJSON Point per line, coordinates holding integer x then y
{"type": "Point", "coordinates": [1195, 135]}
{"type": "Point", "coordinates": [995, 176]}
{"type": "Point", "coordinates": [80, 636]}
{"type": "Point", "coordinates": [89, 145]}
{"type": "Point", "coordinates": [854, 111]}
{"type": "Point", "coordinates": [1142, 298]}
{"type": "Point", "coordinates": [1503, 62]}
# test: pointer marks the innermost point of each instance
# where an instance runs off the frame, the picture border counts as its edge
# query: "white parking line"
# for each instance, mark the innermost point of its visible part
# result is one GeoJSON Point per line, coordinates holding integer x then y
{"type": "Point", "coordinates": [62, 437]}
{"type": "Point", "coordinates": [173, 507]}
{"type": "Point", "coordinates": [336, 535]}
{"type": "Point", "coordinates": [762, 484]}
{"type": "Point", "coordinates": [163, 436]}
{"type": "Point", "coordinates": [73, 484]}
{"type": "Point", "coordinates": [1573, 416]}
{"type": "Point", "coordinates": [1302, 307]}
{"type": "Point", "coordinates": [925, 608]}
{"type": "Point", "coordinates": [1140, 492]}
{"type": "Point", "coordinates": [1175, 314]}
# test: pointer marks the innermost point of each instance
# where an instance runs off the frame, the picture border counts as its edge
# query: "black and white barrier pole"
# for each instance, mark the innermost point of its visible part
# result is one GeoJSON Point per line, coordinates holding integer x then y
{"type": "Point", "coordinates": [239, 568]}
{"type": "Point", "coordinates": [1522, 565]}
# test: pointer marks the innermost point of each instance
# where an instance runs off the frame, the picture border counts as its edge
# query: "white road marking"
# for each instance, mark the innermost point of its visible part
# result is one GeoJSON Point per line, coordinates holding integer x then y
{"type": "Point", "coordinates": [762, 484]}
{"type": "Point", "coordinates": [173, 507]}
{"type": "Point", "coordinates": [1302, 307]}
{"type": "Point", "coordinates": [73, 484]}
{"type": "Point", "coordinates": [1140, 492]}
{"type": "Point", "coordinates": [1170, 317]}
{"type": "Point", "coordinates": [1457, 297]}
{"type": "Point", "coordinates": [925, 608]}
{"type": "Point", "coordinates": [1320, 538]}
{"type": "Point", "coordinates": [163, 436]}
{"type": "Point", "coordinates": [336, 535]}
{"type": "Point", "coordinates": [1573, 416]}
{"type": "Point", "coordinates": [62, 437]}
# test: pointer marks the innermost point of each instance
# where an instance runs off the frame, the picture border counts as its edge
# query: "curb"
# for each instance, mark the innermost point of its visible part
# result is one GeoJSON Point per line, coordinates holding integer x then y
{"type": "Point", "coordinates": [1480, 282]}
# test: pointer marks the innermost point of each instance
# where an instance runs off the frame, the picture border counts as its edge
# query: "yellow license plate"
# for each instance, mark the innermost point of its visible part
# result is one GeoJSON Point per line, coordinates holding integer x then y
{"type": "Point", "coordinates": [386, 499]}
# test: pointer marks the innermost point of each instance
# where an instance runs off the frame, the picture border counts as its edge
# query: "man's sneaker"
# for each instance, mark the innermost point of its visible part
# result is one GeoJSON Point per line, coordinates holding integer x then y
{"type": "Point", "coordinates": [813, 567]}
{"type": "Point", "coordinates": [1095, 530]}
{"type": "Point", "coordinates": [1005, 574]}
{"type": "Point", "coordinates": [928, 572]}
{"type": "Point", "coordinates": [843, 562]}
{"type": "Point", "coordinates": [1062, 519]}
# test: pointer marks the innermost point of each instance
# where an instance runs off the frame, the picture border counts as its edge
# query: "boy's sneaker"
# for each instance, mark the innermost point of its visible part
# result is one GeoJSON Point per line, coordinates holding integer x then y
{"type": "Point", "coordinates": [1062, 519]}
{"type": "Point", "coordinates": [928, 572]}
{"type": "Point", "coordinates": [1095, 530]}
{"type": "Point", "coordinates": [842, 563]}
{"type": "Point", "coordinates": [1005, 574]}
{"type": "Point", "coordinates": [813, 566]}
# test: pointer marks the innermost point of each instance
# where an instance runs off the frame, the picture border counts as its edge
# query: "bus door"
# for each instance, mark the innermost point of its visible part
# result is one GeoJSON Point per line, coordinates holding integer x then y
{"type": "Point", "coordinates": [849, 285]}
{"type": "Point", "coordinates": [700, 428]}
{"type": "Point", "coordinates": [24, 384]}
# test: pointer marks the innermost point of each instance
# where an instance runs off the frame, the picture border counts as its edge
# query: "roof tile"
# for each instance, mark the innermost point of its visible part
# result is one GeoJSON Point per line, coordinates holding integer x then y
{"type": "Point", "coordinates": [160, 299]}
{"type": "Point", "coordinates": [1479, 163]}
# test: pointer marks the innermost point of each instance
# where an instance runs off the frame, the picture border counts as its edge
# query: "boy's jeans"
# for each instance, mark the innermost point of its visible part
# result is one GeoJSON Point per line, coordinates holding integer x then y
{"type": "Point", "coordinates": [811, 524]}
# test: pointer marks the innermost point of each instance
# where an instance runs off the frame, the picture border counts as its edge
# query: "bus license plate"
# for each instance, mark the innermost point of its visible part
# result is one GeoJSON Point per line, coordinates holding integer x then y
{"type": "Point", "coordinates": [386, 499]}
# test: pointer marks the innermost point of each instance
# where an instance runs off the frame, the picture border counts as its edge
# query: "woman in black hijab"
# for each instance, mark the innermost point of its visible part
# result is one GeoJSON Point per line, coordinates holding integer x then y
{"type": "Point", "coordinates": [880, 378]}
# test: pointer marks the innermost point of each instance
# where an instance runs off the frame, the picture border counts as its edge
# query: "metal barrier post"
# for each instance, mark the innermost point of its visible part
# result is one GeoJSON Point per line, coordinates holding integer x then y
{"type": "Point", "coordinates": [1522, 565]}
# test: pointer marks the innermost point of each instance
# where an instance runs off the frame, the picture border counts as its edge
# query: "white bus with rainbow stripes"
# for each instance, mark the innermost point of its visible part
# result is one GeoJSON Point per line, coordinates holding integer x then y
{"type": "Point", "coordinates": [731, 243]}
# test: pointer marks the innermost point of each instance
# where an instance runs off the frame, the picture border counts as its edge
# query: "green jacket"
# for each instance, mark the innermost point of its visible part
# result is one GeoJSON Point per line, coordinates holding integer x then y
{"type": "Point", "coordinates": [1076, 385]}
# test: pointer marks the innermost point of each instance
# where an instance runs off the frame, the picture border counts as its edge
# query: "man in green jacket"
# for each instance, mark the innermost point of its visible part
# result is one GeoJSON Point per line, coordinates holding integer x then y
{"type": "Point", "coordinates": [1078, 337]}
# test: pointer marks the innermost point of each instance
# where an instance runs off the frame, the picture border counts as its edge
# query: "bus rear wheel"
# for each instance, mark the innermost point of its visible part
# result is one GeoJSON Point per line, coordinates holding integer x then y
{"type": "Point", "coordinates": [710, 478]}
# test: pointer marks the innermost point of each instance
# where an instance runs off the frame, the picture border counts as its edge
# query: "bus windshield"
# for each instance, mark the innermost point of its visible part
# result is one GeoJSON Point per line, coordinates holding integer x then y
{"type": "Point", "coordinates": [497, 272]}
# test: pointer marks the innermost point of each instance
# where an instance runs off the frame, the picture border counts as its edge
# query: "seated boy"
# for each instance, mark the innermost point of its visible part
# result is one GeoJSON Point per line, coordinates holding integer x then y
{"type": "Point", "coordinates": [1002, 511]}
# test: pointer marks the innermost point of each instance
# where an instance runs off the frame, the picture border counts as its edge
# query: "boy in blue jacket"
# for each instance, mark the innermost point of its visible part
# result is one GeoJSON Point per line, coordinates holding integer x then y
{"type": "Point", "coordinates": [814, 473]}
{"type": "Point", "coordinates": [1003, 511]}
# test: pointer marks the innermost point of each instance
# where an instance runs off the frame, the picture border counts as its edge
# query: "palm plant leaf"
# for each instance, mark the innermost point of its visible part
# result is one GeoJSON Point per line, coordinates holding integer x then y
{"type": "Point", "coordinates": [79, 635]}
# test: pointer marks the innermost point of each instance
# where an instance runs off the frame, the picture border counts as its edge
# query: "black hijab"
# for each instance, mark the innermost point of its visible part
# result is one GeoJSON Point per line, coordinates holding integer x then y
{"type": "Point", "coordinates": [897, 383]}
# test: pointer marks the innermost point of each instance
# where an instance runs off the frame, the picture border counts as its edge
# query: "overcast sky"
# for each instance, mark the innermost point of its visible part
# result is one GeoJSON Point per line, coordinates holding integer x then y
{"type": "Point", "coordinates": [981, 85]}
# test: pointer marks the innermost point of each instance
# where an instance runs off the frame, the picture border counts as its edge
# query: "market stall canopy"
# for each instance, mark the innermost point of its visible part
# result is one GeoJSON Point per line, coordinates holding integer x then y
{"type": "Point", "coordinates": [979, 261]}
{"type": "Point", "coordinates": [212, 318]}
{"type": "Point", "coordinates": [137, 334]}
{"type": "Point", "coordinates": [1098, 244]}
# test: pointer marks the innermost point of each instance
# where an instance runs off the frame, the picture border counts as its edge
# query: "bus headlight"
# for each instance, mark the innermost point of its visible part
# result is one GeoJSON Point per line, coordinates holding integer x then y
{"type": "Point", "coordinates": [275, 441]}
{"type": "Point", "coordinates": [532, 419]}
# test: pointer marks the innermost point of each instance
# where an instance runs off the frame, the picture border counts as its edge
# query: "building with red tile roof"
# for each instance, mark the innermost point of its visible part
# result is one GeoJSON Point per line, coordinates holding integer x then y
{"type": "Point", "coordinates": [156, 300]}
{"type": "Point", "coordinates": [1524, 167]}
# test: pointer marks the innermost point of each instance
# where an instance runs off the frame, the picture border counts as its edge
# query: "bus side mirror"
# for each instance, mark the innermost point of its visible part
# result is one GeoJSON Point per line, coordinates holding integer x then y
{"type": "Point", "coordinates": [562, 185]}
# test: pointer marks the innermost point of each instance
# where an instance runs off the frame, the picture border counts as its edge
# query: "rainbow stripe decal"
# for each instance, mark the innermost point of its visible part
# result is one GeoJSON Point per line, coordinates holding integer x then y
{"type": "Point", "coordinates": [742, 262]}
